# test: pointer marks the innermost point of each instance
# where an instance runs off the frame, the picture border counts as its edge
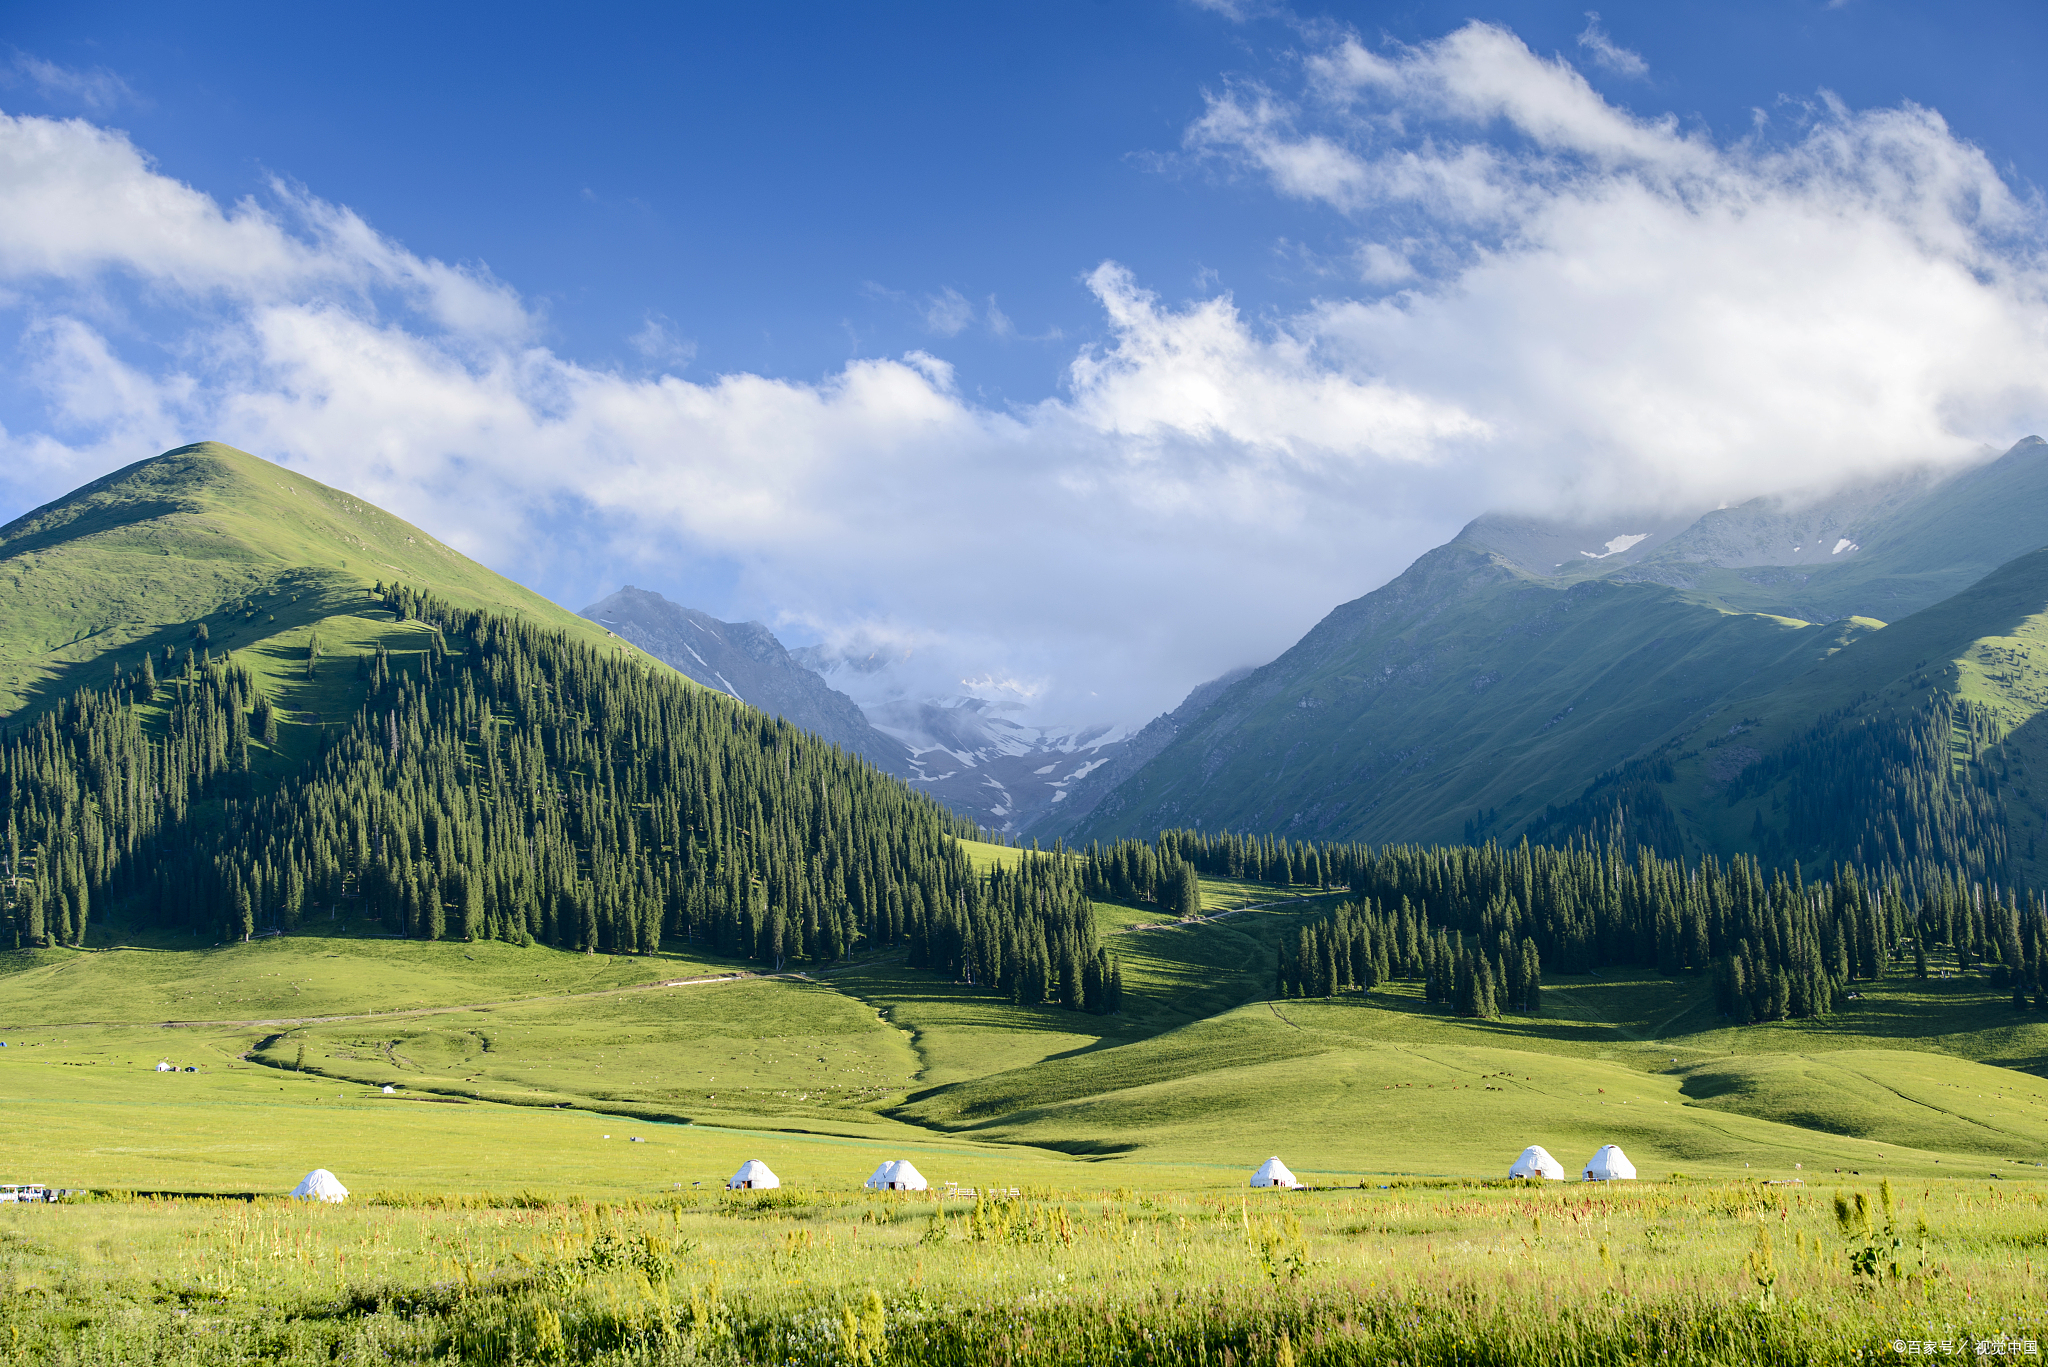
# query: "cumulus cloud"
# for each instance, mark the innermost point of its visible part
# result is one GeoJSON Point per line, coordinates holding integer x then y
{"type": "Point", "coordinates": [1637, 312]}
{"type": "Point", "coordinates": [1554, 304]}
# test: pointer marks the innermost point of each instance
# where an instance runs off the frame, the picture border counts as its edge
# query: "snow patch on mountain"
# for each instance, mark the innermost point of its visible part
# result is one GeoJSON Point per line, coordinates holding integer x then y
{"type": "Point", "coordinates": [975, 742]}
{"type": "Point", "coordinates": [1616, 546]}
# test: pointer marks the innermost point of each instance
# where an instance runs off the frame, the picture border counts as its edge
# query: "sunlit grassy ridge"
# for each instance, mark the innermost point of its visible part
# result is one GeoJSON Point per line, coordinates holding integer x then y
{"type": "Point", "coordinates": [258, 552]}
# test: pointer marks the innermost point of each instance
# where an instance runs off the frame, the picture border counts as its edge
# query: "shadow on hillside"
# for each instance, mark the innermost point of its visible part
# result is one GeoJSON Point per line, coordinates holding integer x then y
{"type": "Point", "coordinates": [321, 594]}
{"type": "Point", "coordinates": [1510, 1026]}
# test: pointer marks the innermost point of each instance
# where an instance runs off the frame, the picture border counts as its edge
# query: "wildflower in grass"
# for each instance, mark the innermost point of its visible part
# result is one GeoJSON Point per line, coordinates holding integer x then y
{"type": "Point", "coordinates": [1763, 1269]}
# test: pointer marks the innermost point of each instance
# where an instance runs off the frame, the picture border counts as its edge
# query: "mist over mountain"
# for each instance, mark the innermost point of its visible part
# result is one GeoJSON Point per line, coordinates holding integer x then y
{"type": "Point", "coordinates": [1087, 788]}
{"type": "Point", "coordinates": [976, 752]}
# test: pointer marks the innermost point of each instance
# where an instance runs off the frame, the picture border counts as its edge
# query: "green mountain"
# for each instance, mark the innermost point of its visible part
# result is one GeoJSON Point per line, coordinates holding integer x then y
{"type": "Point", "coordinates": [1671, 683]}
{"type": "Point", "coordinates": [476, 766]}
{"type": "Point", "coordinates": [207, 534]}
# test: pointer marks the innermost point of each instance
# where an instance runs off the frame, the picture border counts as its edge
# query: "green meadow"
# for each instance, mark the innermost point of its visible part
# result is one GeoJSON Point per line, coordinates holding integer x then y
{"type": "Point", "coordinates": [544, 1180]}
{"type": "Point", "coordinates": [1201, 1070]}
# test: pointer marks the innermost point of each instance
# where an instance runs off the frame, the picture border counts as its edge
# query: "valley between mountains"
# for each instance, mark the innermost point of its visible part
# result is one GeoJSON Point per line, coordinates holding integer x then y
{"type": "Point", "coordinates": [301, 798]}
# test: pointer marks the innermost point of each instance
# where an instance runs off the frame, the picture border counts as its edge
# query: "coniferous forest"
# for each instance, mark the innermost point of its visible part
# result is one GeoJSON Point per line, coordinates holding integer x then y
{"type": "Point", "coordinates": [1478, 925]}
{"type": "Point", "coordinates": [510, 783]}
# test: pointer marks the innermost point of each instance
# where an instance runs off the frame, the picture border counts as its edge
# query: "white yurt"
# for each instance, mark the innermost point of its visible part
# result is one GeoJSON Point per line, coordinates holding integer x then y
{"type": "Point", "coordinates": [897, 1175]}
{"type": "Point", "coordinates": [1537, 1162]}
{"type": "Point", "coordinates": [1609, 1165]}
{"type": "Point", "coordinates": [321, 1185]}
{"type": "Point", "coordinates": [753, 1175]}
{"type": "Point", "coordinates": [166, 1068]}
{"type": "Point", "coordinates": [1274, 1173]}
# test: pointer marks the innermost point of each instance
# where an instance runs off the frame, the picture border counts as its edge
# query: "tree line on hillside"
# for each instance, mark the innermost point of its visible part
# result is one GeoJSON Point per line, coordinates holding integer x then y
{"type": "Point", "coordinates": [1914, 793]}
{"type": "Point", "coordinates": [1360, 945]}
{"type": "Point", "coordinates": [506, 781]}
{"type": "Point", "coordinates": [1478, 924]}
{"type": "Point", "coordinates": [1164, 870]}
{"type": "Point", "coordinates": [1915, 790]}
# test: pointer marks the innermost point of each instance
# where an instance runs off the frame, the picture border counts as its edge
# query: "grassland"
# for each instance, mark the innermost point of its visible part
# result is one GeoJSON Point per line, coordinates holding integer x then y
{"type": "Point", "coordinates": [1680, 1271]}
{"type": "Point", "coordinates": [504, 1212]}
{"type": "Point", "coordinates": [1199, 1069]}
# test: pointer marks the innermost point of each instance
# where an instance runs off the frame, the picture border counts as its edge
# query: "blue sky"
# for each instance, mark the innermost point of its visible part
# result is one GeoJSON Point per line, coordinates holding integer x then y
{"type": "Point", "coordinates": [884, 231]}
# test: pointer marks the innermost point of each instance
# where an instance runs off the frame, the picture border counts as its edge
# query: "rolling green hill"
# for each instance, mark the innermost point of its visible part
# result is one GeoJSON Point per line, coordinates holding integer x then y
{"type": "Point", "coordinates": [261, 554]}
{"type": "Point", "coordinates": [1202, 1074]}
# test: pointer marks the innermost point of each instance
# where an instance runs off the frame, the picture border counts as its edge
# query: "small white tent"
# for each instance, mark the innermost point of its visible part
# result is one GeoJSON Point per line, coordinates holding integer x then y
{"type": "Point", "coordinates": [897, 1175]}
{"type": "Point", "coordinates": [753, 1176]}
{"type": "Point", "coordinates": [166, 1068]}
{"type": "Point", "coordinates": [1609, 1165]}
{"type": "Point", "coordinates": [1537, 1162]}
{"type": "Point", "coordinates": [321, 1185]}
{"type": "Point", "coordinates": [1274, 1173]}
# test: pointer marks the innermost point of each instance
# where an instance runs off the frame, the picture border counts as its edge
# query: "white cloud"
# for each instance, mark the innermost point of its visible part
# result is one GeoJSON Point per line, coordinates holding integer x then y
{"type": "Point", "coordinates": [947, 313]}
{"type": "Point", "coordinates": [1555, 304]}
{"type": "Point", "coordinates": [999, 322]}
{"type": "Point", "coordinates": [97, 89]}
{"type": "Point", "coordinates": [659, 342]}
{"type": "Point", "coordinates": [83, 203]}
{"type": "Point", "coordinates": [1608, 53]}
{"type": "Point", "coordinates": [1636, 312]}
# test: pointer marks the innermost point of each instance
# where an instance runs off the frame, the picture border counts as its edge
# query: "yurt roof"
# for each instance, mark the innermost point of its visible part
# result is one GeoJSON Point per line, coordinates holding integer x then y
{"type": "Point", "coordinates": [320, 1185]}
{"type": "Point", "coordinates": [1273, 1171]}
{"type": "Point", "coordinates": [1609, 1162]}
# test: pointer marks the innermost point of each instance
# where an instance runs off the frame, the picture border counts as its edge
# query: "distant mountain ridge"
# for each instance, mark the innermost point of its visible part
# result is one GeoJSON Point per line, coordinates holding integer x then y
{"type": "Point", "coordinates": [1013, 776]}
{"type": "Point", "coordinates": [1087, 790]}
{"type": "Point", "coordinates": [745, 660]}
{"type": "Point", "coordinates": [1496, 682]}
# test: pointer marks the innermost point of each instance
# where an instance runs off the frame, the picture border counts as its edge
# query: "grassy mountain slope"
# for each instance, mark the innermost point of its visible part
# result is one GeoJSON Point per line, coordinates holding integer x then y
{"type": "Point", "coordinates": [134, 561]}
{"type": "Point", "coordinates": [1504, 674]}
{"type": "Point", "coordinates": [1465, 684]}
{"type": "Point", "coordinates": [1986, 646]}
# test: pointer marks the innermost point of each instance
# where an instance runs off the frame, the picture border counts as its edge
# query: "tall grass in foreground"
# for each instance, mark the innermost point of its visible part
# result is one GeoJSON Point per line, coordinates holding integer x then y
{"type": "Point", "coordinates": [1678, 1272]}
